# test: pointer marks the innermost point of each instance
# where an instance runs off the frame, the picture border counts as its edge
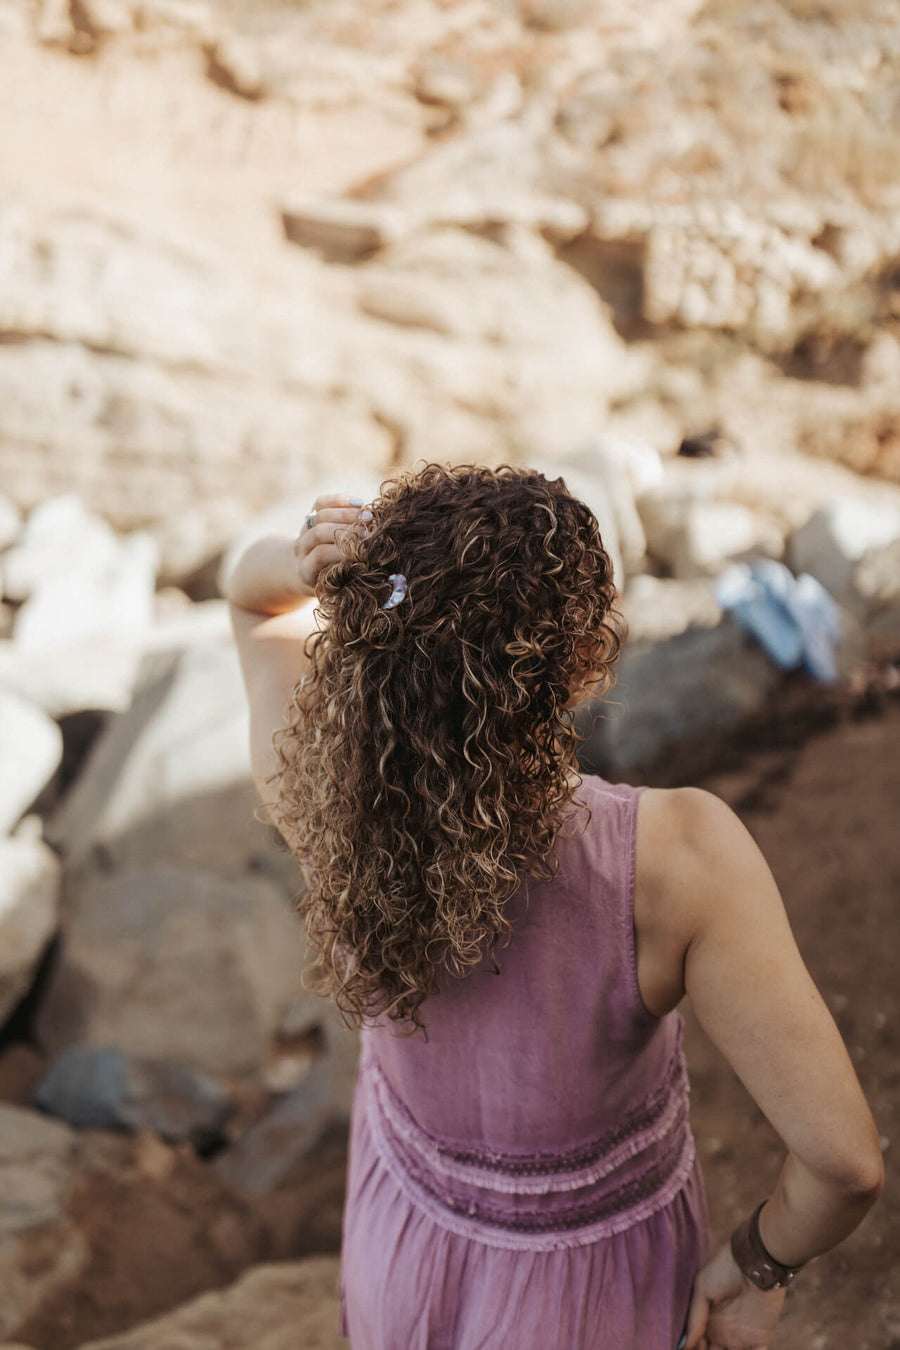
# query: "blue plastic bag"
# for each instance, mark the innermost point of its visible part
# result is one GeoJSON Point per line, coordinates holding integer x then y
{"type": "Point", "coordinates": [793, 618]}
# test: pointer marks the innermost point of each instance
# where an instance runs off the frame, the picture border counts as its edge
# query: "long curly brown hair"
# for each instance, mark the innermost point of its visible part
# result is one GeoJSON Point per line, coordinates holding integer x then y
{"type": "Point", "coordinates": [426, 758]}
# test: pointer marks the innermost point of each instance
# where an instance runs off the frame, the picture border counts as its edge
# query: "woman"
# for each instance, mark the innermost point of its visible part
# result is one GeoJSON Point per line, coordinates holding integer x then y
{"type": "Point", "coordinates": [514, 940]}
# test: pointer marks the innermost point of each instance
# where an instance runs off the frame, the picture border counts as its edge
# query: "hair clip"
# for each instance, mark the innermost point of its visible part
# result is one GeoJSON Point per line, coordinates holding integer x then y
{"type": "Point", "coordinates": [398, 581]}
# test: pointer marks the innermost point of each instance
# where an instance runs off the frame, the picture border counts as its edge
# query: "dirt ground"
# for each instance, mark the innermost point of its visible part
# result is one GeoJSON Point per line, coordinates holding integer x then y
{"type": "Point", "coordinates": [817, 783]}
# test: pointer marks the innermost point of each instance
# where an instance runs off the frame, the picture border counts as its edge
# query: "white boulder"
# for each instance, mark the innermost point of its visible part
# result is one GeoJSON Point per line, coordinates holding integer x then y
{"type": "Point", "coordinates": [170, 777]}
{"type": "Point", "coordinates": [88, 602]}
{"type": "Point", "coordinates": [30, 884]}
{"type": "Point", "coordinates": [30, 753]}
{"type": "Point", "coordinates": [837, 537]}
{"type": "Point", "coordinates": [10, 522]}
{"type": "Point", "coordinates": [696, 537]}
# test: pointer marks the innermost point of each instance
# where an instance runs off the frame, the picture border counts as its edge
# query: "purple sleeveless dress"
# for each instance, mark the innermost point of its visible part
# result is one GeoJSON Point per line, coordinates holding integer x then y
{"type": "Point", "coordinates": [527, 1179]}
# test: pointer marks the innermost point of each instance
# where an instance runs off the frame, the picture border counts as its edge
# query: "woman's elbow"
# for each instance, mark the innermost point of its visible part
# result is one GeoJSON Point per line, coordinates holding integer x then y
{"type": "Point", "coordinates": [860, 1176]}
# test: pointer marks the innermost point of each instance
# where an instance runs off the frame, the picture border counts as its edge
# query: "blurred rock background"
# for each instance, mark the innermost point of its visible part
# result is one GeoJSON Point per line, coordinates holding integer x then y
{"type": "Point", "coordinates": [253, 250]}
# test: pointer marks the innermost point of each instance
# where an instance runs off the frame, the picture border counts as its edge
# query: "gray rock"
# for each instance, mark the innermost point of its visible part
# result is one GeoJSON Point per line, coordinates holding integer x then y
{"type": "Point", "coordinates": [274, 1307]}
{"type": "Point", "coordinates": [168, 962]}
{"type": "Point", "coordinates": [30, 884]}
{"type": "Point", "coordinates": [108, 1089]}
{"type": "Point", "coordinates": [31, 753]}
{"type": "Point", "coordinates": [698, 683]}
{"type": "Point", "coordinates": [267, 1153]}
{"type": "Point", "coordinates": [41, 1249]}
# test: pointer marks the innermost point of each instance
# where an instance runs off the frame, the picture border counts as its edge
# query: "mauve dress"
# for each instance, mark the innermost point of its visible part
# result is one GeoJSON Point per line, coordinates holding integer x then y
{"type": "Point", "coordinates": [527, 1179]}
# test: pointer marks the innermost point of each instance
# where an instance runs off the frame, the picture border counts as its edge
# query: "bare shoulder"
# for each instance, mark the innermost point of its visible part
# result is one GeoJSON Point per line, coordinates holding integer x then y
{"type": "Point", "coordinates": [687, 839]}
{"type": "Point", "coordinates": [694, 858]}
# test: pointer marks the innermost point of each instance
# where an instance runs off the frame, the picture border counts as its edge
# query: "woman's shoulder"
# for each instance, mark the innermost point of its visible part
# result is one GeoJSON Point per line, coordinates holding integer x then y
{"type": "Point", "coordinates": [690, 847]}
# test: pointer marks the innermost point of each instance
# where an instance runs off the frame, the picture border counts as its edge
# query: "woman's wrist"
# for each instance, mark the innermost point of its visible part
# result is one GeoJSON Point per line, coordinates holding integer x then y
{"type": "Point", "coordinates": [755, 1262]}
{"type": "Point", "coordinates": [266, 577]}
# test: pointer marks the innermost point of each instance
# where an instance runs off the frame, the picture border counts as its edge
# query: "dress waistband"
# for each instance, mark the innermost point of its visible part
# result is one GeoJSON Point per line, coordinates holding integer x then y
{"type": "Point", "coordinates": [546, 1200]}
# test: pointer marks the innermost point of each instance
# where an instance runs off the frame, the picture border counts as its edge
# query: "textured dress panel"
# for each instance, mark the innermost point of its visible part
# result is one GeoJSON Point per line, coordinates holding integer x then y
{"type": "Point", "coordinates": [527, 1177]}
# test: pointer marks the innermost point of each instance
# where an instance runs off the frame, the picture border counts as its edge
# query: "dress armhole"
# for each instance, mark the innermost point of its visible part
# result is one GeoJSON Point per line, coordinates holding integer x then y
{"type": "Point", "coordinates": [630, 934]}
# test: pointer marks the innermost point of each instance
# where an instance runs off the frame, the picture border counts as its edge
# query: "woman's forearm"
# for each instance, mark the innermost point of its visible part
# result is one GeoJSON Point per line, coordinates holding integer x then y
{"type": "Point", "coordinates": [808, 1215]}
{"type": "Point", "coordinates": [265, 577]}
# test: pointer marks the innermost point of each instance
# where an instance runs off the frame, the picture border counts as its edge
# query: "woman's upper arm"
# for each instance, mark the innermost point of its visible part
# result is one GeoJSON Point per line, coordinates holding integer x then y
{"type": "Point", "coordinates": [754, 996]}
{"type": "Point", "coordinates": [273, 661]}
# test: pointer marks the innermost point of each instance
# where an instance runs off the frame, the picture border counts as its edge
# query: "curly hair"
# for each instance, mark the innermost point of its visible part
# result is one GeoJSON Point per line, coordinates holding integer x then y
{"type": "Point", "coordinates": [426, 758]}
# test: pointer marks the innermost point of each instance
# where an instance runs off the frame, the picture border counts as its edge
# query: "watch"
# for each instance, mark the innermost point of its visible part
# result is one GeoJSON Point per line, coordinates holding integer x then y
{"type": "Point", "coordinates": [754, 1261]}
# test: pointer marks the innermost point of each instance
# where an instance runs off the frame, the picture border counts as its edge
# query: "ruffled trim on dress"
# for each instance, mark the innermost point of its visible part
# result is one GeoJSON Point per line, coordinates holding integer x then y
{"type": "Point", "coordinates": [624, 1176]}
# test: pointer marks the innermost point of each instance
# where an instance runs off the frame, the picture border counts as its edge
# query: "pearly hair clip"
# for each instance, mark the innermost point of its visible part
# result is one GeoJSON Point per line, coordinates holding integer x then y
{"type": "Point", "coordinates": [398, 581]}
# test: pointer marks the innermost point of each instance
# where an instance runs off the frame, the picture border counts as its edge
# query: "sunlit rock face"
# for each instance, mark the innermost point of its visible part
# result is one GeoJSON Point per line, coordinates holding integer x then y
{"type": "Point", "coordinates": [354, 236]}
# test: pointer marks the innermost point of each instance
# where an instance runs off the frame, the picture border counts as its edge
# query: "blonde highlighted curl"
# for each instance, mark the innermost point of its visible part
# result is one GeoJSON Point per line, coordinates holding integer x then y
{"type": "Point", "coordinates": [425, 763]}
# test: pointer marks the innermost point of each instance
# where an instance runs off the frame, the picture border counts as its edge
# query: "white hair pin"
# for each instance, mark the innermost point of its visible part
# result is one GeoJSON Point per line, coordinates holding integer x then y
{"type": "Point", "coordinates": [398, 581]}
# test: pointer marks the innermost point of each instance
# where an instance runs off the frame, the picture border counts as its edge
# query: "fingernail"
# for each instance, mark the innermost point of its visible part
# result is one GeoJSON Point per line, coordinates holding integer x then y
{"type": "Point", "coordinates": [357, 501]}
{"type": "Point", "coordinates": [365, 515]}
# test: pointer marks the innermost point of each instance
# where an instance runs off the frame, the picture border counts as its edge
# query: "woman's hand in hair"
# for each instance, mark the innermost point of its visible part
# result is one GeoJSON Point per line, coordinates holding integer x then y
{"type": "Point", "coordinates": [728, 1312]}
{"type": "Point", "coordinates": [314, 547]}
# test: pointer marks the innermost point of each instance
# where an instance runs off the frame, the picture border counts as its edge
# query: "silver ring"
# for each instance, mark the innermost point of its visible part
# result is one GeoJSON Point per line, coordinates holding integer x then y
{"type": "Point", "coordinates": [310, 520]}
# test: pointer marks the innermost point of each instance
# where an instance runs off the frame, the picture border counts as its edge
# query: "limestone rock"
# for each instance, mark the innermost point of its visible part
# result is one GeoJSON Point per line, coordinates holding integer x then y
{"type": "Point", "coordinates": [234, 63]}
{"type": "Point", "coordinates": [447, 83]}
{"type": "Point", "coordinates": [695, 538]}
{"type": "Point", "coordinates": [342, 229]}
{"type": "Point", "coordinates": [170, 777]}
{"type": "Point", "coordinates": [218, 392]}
{"type": "Point", "coordinates": [599, 477]}
{"type": "Point", "coordinates": [839, 536]}
{"type": "Point", "coordinates": [203, 624]}
{"type": "Point", "coordinates": [88, 602]}
{"type": "Point", "coordinates": [557, 15]}
{"type": "Point", "coordinates": [30, 883]}
{"type": "Point", "coordinates": [659, 608]}
{"type": "Point", "coordinates": [107, 18]}
{"type": "Point", "coordinates": [32, 751]}
{"type": "Point", "coordinates": [107, 1089]}
{"type": "Point", "coordinates": [274, 1307]}
{"type": "Point", "coordinates": [10, 522]}
{"type": "Point", "coordinates": [41, 1249]}
{"type": "Point", "coordinates": [166, 962]}
{"type": "Point", "coordinates": [60, 533]}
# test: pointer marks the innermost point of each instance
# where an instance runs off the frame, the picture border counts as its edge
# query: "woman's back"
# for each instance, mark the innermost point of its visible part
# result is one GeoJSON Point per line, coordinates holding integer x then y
{"type": "Point", "coordinates": [561, 1035]}
{"type": "Point", "coordinates": [545, 1119]}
